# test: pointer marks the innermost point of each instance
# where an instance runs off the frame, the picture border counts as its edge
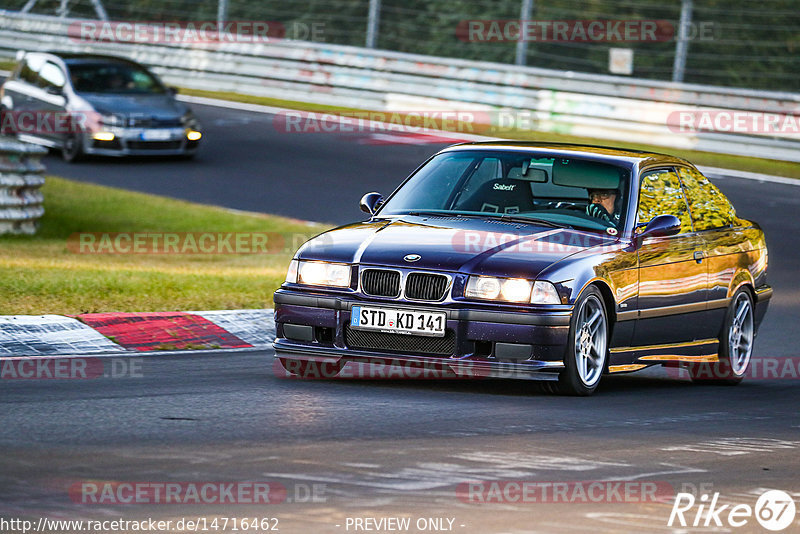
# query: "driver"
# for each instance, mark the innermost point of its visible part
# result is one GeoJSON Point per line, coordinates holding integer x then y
{"type": "Point", "coordinates": [602, 205]}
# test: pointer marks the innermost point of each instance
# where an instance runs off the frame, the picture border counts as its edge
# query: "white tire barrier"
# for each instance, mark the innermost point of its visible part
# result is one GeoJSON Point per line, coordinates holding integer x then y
{"type": "Point", "coordinates": [21, 177]}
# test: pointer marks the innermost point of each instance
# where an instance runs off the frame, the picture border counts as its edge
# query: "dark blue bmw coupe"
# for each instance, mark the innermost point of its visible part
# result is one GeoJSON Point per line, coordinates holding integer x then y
{"type": "Point", "coordinates": [547, 262]}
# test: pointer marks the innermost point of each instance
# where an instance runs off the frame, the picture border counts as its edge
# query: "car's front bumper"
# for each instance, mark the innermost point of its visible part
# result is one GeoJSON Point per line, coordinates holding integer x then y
{"type": "Point", "coordinates": [313, 329]}
{"type": "Point", "coordinates": [130, 142]}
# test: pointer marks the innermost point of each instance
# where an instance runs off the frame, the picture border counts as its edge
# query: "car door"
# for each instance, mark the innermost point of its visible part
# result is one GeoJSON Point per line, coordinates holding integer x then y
{"type": "Point", "coordinates": [714, 219]}
{"type": "Point", "coordinates": [673, 275]}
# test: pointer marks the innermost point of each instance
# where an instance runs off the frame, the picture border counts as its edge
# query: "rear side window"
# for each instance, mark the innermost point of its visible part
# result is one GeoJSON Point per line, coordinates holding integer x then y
{"type": "Point", "coordinates": [710, 209]}
{"type": "Point", "coordinates": [661, 194]}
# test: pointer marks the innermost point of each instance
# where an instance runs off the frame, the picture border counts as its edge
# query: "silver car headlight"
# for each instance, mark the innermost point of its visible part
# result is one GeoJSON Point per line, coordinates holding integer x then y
{"type": "Point", "coordinates": [318, 273]}
{"type": "Point", "coordinates": [511, 290]}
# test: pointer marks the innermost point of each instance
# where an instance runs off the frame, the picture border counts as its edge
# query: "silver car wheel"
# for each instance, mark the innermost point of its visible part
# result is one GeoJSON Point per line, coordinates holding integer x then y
{"type": "Point", "coordinates": [740, 335]}
{"type": "Point", "coordinates": [591, 341]}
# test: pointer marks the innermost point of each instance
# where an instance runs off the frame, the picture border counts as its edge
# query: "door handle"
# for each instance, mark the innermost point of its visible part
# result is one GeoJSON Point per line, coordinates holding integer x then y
{"type": "Point", "coordinates": [699, 255]}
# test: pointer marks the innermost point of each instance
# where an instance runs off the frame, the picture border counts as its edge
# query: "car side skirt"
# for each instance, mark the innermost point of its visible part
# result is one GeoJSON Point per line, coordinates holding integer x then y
{"type": "Point", "coordinates": [627, 359]}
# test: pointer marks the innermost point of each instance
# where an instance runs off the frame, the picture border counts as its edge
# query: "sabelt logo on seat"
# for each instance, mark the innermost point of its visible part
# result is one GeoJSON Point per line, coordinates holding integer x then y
{"type": "Point", "coordinates": [503, 187]}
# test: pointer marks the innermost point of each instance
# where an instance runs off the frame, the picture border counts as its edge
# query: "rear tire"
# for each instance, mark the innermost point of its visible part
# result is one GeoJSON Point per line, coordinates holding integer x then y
{"type": "Point", "coordinates": [735, 345]}
{"type": "Point", "coordinates": [587, 346]}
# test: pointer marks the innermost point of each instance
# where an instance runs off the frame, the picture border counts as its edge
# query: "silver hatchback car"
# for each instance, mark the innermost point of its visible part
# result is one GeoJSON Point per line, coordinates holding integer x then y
{"type": "Point", "coordinates": [93, 104]}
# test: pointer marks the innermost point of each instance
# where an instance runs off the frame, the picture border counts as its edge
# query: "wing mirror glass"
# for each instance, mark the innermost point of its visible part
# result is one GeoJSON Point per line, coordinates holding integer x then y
{"type": "Point", "coordinates": [371, 202]}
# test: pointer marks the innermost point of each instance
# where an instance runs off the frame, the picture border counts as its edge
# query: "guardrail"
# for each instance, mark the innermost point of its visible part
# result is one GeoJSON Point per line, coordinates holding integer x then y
{"type": "Point", "coordinates": [585, 105]}
{"type": "Point", "coordinates": [20, 179]}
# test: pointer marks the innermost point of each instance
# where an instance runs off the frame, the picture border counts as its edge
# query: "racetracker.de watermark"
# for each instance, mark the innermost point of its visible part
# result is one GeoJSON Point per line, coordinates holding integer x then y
{"type": "Point", "coordinates": [197, 32]}
{"type": "Point", "coordinates": [185, 242]}
{"type": "Point", "coordinates": [765, 368]}
{"type": "Point", "coordinates": [203, 492]}
{"type": "Point", "coordinates": [406, 121]}
{"type": "Point", "coordinates": [70, 368]}
{"type": "Point", "coordinates": [390, 368]}
{"type": "Point", "coordinates": [48, 122]}
{"type": "Point", "coordinates": [560, 31]}
{"type": "Point", "coordinates": [554, 241]}
{"type": "Point", "coordinates": [558, 492]}
{"type": "Point", "coordinates": [737, 122]}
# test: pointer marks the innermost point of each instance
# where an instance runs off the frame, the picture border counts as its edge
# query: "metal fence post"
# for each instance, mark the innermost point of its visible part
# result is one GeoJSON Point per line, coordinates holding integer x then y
{"type": "Point", "coordinates": [222, 13]}
{"type": "Point", "coordinates": [682, 43]}
{"type": "Point", "coordinates": [373, 21]}
{"type": "Point", "coordinates": [522, 44]}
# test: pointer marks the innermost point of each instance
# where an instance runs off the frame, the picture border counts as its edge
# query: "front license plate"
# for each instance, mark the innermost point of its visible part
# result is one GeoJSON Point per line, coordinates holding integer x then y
{"type": "Point", "coordinates": [398, 321]}
{"type": "Point", "coordinates": [156, 135]}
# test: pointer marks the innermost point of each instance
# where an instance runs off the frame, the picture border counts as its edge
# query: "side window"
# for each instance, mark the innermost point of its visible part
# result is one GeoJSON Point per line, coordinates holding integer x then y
{"type": "Point", "coordinates": [51, 76]}
{"type": "Point", "coordinates": [710, 209]}
{"type": "Point", "coordinates": [661, 194]}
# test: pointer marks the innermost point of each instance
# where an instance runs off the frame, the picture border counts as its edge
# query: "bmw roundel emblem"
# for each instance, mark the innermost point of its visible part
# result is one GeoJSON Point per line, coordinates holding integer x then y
{"type": "Point", "coordinates": [412, 257]}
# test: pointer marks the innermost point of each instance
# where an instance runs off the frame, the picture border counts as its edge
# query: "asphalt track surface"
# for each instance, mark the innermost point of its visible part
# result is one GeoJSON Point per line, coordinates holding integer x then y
{"type": "Point", "coordinates": [249, 162]}
{"type": "Point", "coordinates": [386, 448]}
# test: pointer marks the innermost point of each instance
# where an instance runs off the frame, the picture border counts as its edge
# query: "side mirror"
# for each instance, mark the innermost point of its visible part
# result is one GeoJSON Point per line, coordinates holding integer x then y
{"type": "Point", "coordinates": [661, 226]}
{"type": "Point", "coordinates": [371, 202]}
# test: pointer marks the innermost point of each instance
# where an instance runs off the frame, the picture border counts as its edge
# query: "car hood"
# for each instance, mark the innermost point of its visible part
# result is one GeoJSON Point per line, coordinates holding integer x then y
{"type": "Point", "coordinates": [159, 106]}
{"type": "Point", "coordinates": [473, 246]}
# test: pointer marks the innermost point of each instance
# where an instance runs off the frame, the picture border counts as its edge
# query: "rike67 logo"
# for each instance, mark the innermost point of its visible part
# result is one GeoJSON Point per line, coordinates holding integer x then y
{"type": "Point", "coordinates": [774, 510]}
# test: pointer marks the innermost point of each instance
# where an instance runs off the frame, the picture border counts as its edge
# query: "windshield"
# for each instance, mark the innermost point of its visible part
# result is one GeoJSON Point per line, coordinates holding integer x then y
{"type": "Point", "coordinates": [116, 78]}
{"type": "Point", "coordinates": [564, 191]}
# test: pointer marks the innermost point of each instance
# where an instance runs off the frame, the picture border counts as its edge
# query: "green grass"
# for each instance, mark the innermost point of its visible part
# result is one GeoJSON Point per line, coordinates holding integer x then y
{"type": "Point", "coordinates": [711, 159]}
{"type": "Point", "coordinates": [42, 275]}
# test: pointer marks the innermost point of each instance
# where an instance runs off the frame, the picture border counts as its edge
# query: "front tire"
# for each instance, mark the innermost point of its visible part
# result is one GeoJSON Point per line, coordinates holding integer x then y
{"type": "Point", "coordinates": [735, 344]}
{"type": "Point", "coordinates": [587, 346]}
{"type": "Point", "coordinates": [72, 148]}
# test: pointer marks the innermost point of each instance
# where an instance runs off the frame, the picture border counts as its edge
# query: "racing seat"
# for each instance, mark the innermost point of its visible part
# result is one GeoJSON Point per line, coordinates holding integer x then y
{"type": "Point", "coordinates": [502, 195]}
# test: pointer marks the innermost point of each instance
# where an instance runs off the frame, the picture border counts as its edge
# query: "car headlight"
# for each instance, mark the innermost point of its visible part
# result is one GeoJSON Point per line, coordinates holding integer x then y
{"type": "Point", "coordinates": [511, 290]}
{"type": "Point", "coordinates": [318, 273]}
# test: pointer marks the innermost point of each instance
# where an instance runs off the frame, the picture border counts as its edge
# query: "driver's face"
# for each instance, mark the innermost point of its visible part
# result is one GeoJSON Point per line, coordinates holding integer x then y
{"type": "Point", "coordinates": [605, 199]}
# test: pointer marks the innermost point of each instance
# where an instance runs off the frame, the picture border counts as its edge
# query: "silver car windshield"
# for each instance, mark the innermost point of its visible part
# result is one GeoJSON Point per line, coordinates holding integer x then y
{"type": "Point", "coordinates": [113, 78]}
